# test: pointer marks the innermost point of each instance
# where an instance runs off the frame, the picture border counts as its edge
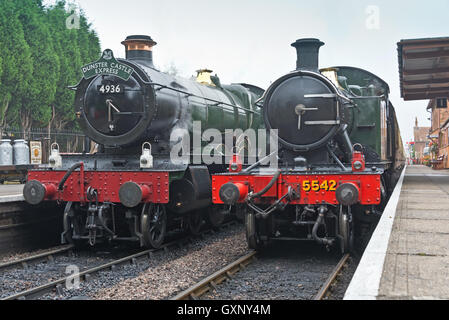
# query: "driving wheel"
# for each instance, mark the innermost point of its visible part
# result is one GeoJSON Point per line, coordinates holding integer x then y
{"type": "Point", "coordinates": [154, 225]}
{"type": "Point", "coordinates": [346, 230]}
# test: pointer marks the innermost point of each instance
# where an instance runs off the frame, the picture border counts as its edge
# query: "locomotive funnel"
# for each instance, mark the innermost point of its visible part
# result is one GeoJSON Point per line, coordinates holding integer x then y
{"type": "Point", "coordinates": [308, 53]}
{"type": "Point", "coordinates": [139, 47]}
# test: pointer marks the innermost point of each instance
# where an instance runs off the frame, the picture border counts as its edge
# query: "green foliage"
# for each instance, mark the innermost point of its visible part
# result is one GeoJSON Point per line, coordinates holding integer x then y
{"type": "Point", "coordinates": [17, 63]}
{"type": "Point", "coordinates": [40, 58]}
{"type": "Point", "coordinates": [42, 87]}
{"type": "Point", "coordinates": [75, 48]}
{"type": "Point", "coordinates": [1, 68]}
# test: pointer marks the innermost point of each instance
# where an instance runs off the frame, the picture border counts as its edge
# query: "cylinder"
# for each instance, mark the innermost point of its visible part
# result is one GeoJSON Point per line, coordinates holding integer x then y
{"type": "Point", "coordinates": [6, 153]}
{"type": "Point", "coordinates": [21, 153]}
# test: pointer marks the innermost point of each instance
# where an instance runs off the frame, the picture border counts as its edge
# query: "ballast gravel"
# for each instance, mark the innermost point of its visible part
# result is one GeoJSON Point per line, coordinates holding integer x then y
{"type": "Point", "coordinates": [283, 272]}
{"type": "Point", "coordinates": [13, 256]}
{"type": "Point", "coordinates": [18, 279]}
{"type": "Point", "coordinates": [166, 273]}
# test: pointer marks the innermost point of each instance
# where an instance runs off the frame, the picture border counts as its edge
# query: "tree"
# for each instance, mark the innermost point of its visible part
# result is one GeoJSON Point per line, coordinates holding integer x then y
{"type": "Point", "coordinates": [1, 66]}
{"type": "Point", "coordinates": [39, 58]}
{"type": "Point", "coordinates": [35, 106]}
{"type": "Point", "coordinates": [69, 57]}
{"type": "Point", "coordinates": [72, 58]}
{"type": "Point", "coordinates": [16, 61]}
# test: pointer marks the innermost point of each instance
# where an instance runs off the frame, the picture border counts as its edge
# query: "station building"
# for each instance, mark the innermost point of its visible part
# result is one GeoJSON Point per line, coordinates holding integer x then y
{"type": "Point", "coordinates": [421, 143]}
{"type": "Point", "coordinates": [439, 135]}
{"type": "Point", "coordinates": [424, 75]}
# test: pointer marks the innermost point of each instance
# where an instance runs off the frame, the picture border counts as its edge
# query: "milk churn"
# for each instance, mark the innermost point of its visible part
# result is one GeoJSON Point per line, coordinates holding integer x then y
{"type": "Point", "coordinates": [6, 153]}
{"type": "Point", "coordinates": [21, 153]}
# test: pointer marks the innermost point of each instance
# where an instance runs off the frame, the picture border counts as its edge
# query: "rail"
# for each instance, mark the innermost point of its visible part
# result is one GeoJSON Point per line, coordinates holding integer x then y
{"type": "Point", "coordinates": [38, 257]}
{"type": "Point", "coordinates": [40, 291]}
{"type": "Point", "coordinates": [326, 288]}
{"type": "Point", "coordinates": [211, 282]}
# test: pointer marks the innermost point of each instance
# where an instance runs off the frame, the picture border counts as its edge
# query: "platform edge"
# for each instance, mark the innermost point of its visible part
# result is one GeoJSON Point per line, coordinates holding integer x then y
{"type": "Point", "coordinates": [365, 284]}
{"type": "Point", "coordinates": [12, 198]}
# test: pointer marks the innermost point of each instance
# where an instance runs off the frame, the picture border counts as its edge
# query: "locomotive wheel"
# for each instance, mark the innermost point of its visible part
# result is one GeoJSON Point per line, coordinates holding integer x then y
{"type": "Point", "coordinates": [195, 223]}
{"type": "Point", "coordinates": [240, 214]}
{"type": "Point", "coordinates": [346, 231]}
{"type": "Point", "coordinates": [154, 225]}
{"type": "Point", "coordinates": [214, 217]}
{"type": "Point", "coordinates": [252, 236]}
{"type": "Point", "coordinates": [71, 224]}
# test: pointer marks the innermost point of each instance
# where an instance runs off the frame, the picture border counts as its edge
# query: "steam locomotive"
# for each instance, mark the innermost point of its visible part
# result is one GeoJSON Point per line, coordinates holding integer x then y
{"type": "Point", "coordinates": [130, 190]}
{"type": "Point", "coordinates": [340, 156]}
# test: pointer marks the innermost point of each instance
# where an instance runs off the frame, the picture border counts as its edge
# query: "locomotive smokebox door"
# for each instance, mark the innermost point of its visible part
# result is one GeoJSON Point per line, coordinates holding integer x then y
{"type": "Point", "coordinates": [303, 107]}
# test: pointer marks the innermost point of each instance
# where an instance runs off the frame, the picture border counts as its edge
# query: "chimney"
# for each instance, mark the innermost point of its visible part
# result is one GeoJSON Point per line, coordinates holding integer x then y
{"type": "Point", "coordinates": [308, 53]}
{"type": "Point", "coordinates": [139, 47]}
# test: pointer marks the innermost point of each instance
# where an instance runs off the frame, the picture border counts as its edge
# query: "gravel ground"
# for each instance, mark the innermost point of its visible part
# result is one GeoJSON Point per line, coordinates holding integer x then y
{"type": "Point", "coordinates": [13, 256]}
{"type": "Point", "coordinates": [16, 280]}
{"type": "Point", "coordinates": [283, 272]}
{"type": "Point", "coordinates": [167, 273]}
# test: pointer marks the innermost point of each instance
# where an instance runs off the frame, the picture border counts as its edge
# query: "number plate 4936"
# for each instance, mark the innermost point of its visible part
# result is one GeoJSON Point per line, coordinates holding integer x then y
{"type": "Point", "coordinates": [110, 89]}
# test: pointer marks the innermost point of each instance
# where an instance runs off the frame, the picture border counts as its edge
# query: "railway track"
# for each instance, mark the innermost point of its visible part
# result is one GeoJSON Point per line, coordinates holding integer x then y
{"type": "Point", "coordinates": [212, 282]}
{"type": "Point", "coordinates": [327, 287]}
{"type": "Point", "coordinates": [49, 255]}
{"type": "Point", "coordinates": [58, 285]}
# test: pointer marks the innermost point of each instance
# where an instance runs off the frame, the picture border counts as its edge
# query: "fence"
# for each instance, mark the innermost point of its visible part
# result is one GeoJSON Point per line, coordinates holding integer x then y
{"type": "Point", "coordinates": [69, 141]}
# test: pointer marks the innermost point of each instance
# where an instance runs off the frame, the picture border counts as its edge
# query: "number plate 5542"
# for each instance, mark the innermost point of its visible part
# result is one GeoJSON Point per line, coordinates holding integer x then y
{"type": "Point", "coordinates": [326, 185]}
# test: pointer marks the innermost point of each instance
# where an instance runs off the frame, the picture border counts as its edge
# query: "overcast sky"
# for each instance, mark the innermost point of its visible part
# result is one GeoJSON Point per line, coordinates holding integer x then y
{"type": "Point", "coordinates": [249, 40]}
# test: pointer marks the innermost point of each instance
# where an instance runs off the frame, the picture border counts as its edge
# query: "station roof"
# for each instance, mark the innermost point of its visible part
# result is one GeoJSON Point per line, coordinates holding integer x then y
{"type": "Point", "coordinates": [424, 68]}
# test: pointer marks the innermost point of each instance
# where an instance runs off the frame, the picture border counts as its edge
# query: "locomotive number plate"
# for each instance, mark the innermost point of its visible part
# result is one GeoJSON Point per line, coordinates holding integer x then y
{"type": "Point", "coordinates": [315, 186]}
{"type": "Point", "coordinates": [111, 89]}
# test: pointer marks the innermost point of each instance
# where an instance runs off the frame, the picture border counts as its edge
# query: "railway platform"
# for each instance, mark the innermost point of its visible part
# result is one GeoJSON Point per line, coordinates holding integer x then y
{"type": "Point", "coordinates": [408, 255]}
{"type": "Point", "coordinates": [11, 193]}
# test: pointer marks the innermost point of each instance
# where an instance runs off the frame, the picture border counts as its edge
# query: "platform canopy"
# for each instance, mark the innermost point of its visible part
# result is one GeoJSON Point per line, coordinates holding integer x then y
{"type": "Point", "coordinates": [424, 68]}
